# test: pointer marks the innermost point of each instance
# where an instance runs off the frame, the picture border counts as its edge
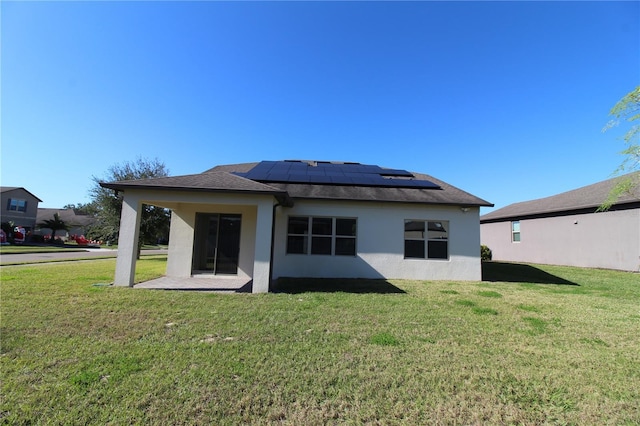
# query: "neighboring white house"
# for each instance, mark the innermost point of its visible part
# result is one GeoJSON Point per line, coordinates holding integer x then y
{"type": "Point", "coordinates": [278, 219]}
{"type": "Point", "coordinates": [565, 229]}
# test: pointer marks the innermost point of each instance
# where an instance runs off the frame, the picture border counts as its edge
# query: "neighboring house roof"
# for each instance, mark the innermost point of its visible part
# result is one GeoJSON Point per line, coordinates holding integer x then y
{"type": "Point", "coordinates": [69, 216]}
{"type": "Point", "coordinates": [400, 188]}
{"type": "Point", "coordinates": [585, 199]}
{"type": "Point", "coordinates": [13, 188]}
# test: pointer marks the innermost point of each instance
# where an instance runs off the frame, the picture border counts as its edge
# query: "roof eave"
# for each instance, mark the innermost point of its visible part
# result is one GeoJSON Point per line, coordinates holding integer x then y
{"type": "Point", "coordinates": [120, 187]}
{"type": "Point", "coordinates": [559, 212]}
{"type": "Point", "coordinates": [15, 188]}
{"type": "Point", "coordinates": [281, 196]}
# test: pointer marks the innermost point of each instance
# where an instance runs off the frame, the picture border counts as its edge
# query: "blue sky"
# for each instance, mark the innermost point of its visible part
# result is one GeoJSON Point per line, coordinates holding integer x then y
{"type": "Point", "coordinates": [506, 100]}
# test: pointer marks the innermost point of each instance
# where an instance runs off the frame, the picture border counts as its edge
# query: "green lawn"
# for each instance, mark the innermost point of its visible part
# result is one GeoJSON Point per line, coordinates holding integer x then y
{"type": "Point", "coordinates": [20, 249]}
{"type": "Point", "coordinates": [562, 349]}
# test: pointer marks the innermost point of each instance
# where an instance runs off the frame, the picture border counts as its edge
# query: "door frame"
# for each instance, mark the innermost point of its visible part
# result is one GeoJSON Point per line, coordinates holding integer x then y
{"type": "Point", "coordinates": [202, 244]}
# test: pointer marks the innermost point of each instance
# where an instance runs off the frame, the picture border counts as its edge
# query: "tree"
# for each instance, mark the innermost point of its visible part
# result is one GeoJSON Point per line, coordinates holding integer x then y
{"type": "Point", "coordinates": [88, 209]}
{"type": "Point", "coordinates": [627, 109]}
{"type": "Point", "coordinates": [154, 222]}
{"type": "Point", "coordinates": [55, 224]}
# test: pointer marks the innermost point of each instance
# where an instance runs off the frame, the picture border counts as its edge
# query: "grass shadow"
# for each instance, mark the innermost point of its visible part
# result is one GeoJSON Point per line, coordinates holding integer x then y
{"type": "Point", "coordinates": [519, 273]}
{"type": "Point", "coordinates": [155, 258]}
{"type": "Point", "coordinates": [330, 285]}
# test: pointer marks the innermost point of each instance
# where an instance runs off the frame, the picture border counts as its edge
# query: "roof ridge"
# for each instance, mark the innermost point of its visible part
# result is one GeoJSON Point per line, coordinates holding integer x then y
{"type": "Point", "coordinates": [587, 196]}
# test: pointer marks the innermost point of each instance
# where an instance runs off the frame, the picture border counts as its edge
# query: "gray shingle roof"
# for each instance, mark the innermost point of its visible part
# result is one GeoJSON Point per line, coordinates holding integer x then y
{"type": "Point", "coordinates": [209, 181]}
{"type": "Point", "coordinates": [221, 178]}
{"type": "Point", "coordinates": [589, 198]}
{"type": "Point", "coordinates": [13, 188]}
{"type": "Point", "coordinates": [218, 180]}
{"type": "Point", "coordinates": [69, 216]}
{"type": "Point", "coordinates": [448, 194]}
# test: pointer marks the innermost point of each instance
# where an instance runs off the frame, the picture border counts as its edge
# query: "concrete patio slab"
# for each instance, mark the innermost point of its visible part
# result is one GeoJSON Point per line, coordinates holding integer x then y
{"type": "Point", "coordinates": [200, 283]}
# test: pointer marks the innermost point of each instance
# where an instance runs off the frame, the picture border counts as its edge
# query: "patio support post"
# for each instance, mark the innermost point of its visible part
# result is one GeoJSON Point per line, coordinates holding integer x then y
{"type": "Point", "coordinates": [262, 259]}
{"type": "Point", "coordinates": [128, 240]}
{"type": "Point", "coordinates": [181, 234]}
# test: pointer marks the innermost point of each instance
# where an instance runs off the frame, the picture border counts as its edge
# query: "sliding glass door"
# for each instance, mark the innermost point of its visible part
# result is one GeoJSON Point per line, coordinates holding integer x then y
{"type": "Point", "coordinates": [216, 246]}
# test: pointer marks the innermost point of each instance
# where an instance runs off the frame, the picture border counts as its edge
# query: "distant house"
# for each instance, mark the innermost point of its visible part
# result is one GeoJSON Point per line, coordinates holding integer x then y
{"type": "Point", "coordinates": [19, 206]}
{"type": "Point", "coordinates": [275, 219]}
{"type": "Point", "coordinates": [77, 222]}
{"type": "Point", "coordinates": [565, 229]}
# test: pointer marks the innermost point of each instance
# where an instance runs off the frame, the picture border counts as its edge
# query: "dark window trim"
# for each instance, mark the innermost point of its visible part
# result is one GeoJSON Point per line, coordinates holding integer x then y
{"type": "Point", "coordinates": [309, 236]}
{"type": "Point", "coordinates": [423, 252]}
{"type": "Point", "coordinates": [17, 207]}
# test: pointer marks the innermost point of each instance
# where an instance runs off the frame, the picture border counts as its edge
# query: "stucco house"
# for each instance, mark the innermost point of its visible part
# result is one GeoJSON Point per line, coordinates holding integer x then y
{"type": "Point", "coordinates": [565, 229]}
{"type": "Point", "coordinates": [77, 221]}
{"type": "Point", "coordinates": [277, 219]}
{"type": "Point", "coordinates": [19, 206]}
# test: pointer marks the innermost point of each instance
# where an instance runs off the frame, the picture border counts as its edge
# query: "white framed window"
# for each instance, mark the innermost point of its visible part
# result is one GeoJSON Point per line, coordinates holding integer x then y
{"type": "Point", "coordinates": [17, 205]}
{"type": "Point", "coordinates": [515, 231]}
{"type": "Point", "coordinates": [426, 239]}
{"type": "Point", "coordinates": [321, 235]}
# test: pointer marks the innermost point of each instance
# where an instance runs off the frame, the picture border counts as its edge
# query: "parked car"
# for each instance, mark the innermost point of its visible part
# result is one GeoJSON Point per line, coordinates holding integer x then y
{"type": "Point", "coordinates": [3, 237]}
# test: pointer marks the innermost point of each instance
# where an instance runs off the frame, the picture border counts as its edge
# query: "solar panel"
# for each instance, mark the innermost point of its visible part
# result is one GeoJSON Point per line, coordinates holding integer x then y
{"type": "Point", "coordinates": [396, 173]}
{"type": "Point", "coordinates": [290, 171]}
{"type": "Point", "coordinates": [319, 179]}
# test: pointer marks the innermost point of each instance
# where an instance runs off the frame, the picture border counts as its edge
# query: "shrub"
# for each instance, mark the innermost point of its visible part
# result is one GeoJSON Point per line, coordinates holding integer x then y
{"type": "Point", "coordinates": [57, 241]}
{"type": "Point", "coordinates": [485, 253]}
{"type": "Point", "coordinates": [36, 238]}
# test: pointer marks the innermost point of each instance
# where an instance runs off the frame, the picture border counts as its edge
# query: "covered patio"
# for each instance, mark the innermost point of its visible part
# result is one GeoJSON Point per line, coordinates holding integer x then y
{"type": "Point", "coordinates": [220, 237]}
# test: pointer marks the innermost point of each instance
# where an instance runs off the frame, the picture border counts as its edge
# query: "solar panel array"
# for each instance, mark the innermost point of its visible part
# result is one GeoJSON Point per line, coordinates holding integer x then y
{"type": "Point", "coordinates": [329, 173]}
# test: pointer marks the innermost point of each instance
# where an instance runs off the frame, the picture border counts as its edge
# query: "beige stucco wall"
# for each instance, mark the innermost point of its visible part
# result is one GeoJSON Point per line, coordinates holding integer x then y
{"type": "Point", "coordinates": [597, 240]}
{"type": "Point", "coordinates": [380, 243]}
{"type": "Point", "coordinates": [182, 232]}
{"type": "Point", "coordinates": [255, 235]}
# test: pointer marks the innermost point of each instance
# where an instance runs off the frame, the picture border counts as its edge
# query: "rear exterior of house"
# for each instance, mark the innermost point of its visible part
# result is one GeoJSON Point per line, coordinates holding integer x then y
{"type": "Point", "coordinates": [19, 206]}
{"type": "Point", "coordinates": [565, 229]}
{"type": "Point", "coordinates": [387, 240]}
{"type": "Point", "coordinates": [274, 219]}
